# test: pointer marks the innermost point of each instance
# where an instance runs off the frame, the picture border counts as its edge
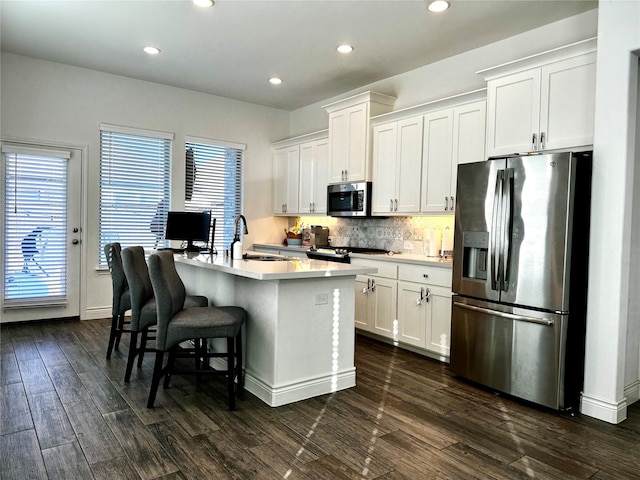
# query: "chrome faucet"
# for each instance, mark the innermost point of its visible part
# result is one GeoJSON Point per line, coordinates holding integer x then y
{"type": "Point", "coordinates": [244, 220]}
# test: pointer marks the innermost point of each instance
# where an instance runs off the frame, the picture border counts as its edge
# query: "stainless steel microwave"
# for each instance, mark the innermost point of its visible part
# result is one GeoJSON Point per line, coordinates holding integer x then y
{"type": "Point", "coordinates": [349, 199]}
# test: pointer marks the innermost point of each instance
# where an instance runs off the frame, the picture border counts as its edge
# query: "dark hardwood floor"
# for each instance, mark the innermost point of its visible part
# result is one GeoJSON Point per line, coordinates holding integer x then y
{"type": "Point", "coordinates": [66, 413]}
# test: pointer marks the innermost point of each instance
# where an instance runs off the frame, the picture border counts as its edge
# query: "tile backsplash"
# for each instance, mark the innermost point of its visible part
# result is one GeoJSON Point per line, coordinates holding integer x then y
{"type": "Point", "coordinates": [400, 234]}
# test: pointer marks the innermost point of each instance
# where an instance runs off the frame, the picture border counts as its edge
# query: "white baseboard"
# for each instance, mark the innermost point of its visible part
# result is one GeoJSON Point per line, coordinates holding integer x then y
{"type": "Point", "coordinates": [603, 410]}
{"type": "Point", "coordinates": [96, 313]}
{"type": "Point", "coordinates": [294, 392]}
{"type": "Point", "coordinates": [632, 392]}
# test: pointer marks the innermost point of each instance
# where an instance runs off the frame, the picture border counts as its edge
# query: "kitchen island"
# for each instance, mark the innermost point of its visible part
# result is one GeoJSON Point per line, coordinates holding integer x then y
{"type": "Point", "coordinates": [299, 335]}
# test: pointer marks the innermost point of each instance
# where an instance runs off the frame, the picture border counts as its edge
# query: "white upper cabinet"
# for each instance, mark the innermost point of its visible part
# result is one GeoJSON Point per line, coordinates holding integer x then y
{"type": "Point", "coordinates": [300, 174]}
{"type": "Point", "coordinates": [548, 106]}
{"type": "Point", "coordinates": [314, 164]}
{"type": "Point", "coordinates": [349, 135]}
{"type": "Point", "coordinates": [286, 178]}
{"type": "Point", "coordinates": [451, 136]}
{"type": "Point", "coordinates": [397, 164]}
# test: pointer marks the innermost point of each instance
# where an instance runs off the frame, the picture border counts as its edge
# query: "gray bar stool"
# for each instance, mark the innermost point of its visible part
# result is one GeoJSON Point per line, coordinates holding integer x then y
{"type": "Point", "coordinates": [121, 296]}
{"type": "Point", "coordinates": [177, 324]}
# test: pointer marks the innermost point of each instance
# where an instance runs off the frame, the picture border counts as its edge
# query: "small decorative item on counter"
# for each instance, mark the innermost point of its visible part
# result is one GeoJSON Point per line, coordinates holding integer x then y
{"type": "Point", "coordinates": [447, 243]}
{"type": "Point", "coordinates": [294, 234]}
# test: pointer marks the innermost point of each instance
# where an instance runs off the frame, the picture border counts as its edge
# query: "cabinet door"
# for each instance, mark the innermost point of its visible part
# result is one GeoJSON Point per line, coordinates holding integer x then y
{"type": "Point", "coordinates": [286, 175]}
{"type": "Point", "coordinates": [338, 145]}
{"type": "Point", "coordinates": [321, 176]}
{"type": "Point", "coordinates": [568, 102]}
{"type": "Point", "coordinates": [513, 113]}
{"type": "Point", "coordinates": [307, 177]}
{"type": "Point", "coordinates": [384, 300]}
{"type": "Point", "coordinates": [362, 315]}
{"type": "Point", "coordinates": [357, 158]}
{"type": "Point", "coordinates": [438, 325]}
{"type": "Point", "coordinates": [384, 168]}
{"type": "Point", "coordinates": [409, 166]}
{"type": "Point", "coordinates": [436, 161]}
{"type": "Point", "coordinates": [468, 139]}
{"type": "Point", "coordinates": [412, 314]}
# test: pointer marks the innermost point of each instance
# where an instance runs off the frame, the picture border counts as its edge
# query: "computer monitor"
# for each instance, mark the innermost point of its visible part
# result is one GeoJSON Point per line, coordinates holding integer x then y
{"type": "Point", "coordinates": [190, 227]}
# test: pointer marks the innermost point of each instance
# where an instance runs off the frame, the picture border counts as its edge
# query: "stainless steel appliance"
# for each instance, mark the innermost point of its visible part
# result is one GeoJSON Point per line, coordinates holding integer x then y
{"type": "Point", "coordinates": [341, 254]}
{"type": "Point", "coordinates": [519, 275]}
{"type": "Point", "coordinates": [320, 235]}
{"type": "Point", "coordinates": [349, 199]}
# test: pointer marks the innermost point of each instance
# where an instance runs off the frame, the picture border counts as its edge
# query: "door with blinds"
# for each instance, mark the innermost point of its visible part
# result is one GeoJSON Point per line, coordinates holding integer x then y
{"type": "Point", "coordinates": [41, 233]}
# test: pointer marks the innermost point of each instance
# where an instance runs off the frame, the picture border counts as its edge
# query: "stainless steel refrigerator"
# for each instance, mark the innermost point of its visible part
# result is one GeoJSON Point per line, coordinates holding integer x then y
{"type": "Point", "coordinates": [520, 275]}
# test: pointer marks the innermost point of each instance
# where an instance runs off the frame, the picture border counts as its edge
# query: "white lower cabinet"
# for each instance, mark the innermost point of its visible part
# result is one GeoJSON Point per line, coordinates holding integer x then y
{"type": "Point", "coordinates": [407, 303]}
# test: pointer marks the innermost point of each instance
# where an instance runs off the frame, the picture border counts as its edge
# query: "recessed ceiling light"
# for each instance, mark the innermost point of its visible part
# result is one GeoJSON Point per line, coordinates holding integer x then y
{"type": "Point", "coordinates": [151, 50]}
{"type": "Point", "coordinates": [275, 81]}
{"type": "Point", "coordinates": [438, 6]}
{"type": "Point", "coordinates": [345, 48]}
{"type": "Point", "coordinates": [204, 3]}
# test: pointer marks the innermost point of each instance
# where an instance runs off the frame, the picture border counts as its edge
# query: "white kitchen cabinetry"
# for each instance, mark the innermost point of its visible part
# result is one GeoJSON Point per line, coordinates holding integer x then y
{"type": "Point", "coordinates": [376, 298]}
{"type": "Point", "coordinates": [314, 158]}
{"type": "Point", "coordinates": [543, 102]}
{"type": "Point", "coordinates": [286, 176]}
{"type": "Point", "coordinates": [424, 308]}
{"type": "Point", "coordinates": [300, 174]}
{"type": "Point", "coordinates": [397, 164]}
{"type": "Point", "coordinates": [451, 136]}
{"type": "Point", "coordinates": [349, 135]}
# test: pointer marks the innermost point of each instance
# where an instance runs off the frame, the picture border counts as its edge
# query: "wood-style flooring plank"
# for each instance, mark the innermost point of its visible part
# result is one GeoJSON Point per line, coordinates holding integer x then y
{"type": "Point", "coordinates": [67, 384]}
{"type": "Point", "coordinates": [9, 371]}
{"type": "Point", "coordinates": [15, 415]}
{"type": "Point", "coordinates": [66, 461]}
{"type": "Point", "coordinates": [119, 468]}
{"type": "Point", "coordinates": [104, 394]}
{"type": "Point", "coordinates": [98, 442]}
{"type": "Point", "coordinates": [139, 444]}
{"type": "Point", "coordinates": [50, 420]}
{"type": "Point", "coordinates": [20, 457]}
{"type": "Point", "coordinates": [24, 347]}
{"type": "Point", "coordinates": [51, 353]}
{"type": "Point", "coordinates": [35, 377]}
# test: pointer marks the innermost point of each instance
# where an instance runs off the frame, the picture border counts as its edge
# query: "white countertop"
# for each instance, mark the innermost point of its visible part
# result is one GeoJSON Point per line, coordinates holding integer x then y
{"type": "Point", "coordinates": [396, 257]}
{"type": "Point", "coordinates": [293, 268]}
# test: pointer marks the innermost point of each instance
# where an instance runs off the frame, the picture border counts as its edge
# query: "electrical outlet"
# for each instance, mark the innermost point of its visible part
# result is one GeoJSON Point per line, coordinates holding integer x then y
{"type": "Point", "coordinates": [322, 298]}
{"type": "Point", "coordinates": [408, 245]}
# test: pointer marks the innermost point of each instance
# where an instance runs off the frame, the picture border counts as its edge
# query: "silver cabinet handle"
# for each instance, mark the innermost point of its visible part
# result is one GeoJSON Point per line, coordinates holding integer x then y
{"type": "Point", "coordinates": [541, 140]}
{"type": "Point", "coordinates": [446, 203]}
{"type": "Point", "coordinates": [534, 145]}
{"type": "Point", "coordinates": [425, 294]}
{"type": "Point", "coordinates": [453, 204]}
{"type": "Point", "coordinates": [391, 205]}
{"type": "Point", "coordinates": [521, 318]}
{"type": "Point", "coordinates": [395, 208]}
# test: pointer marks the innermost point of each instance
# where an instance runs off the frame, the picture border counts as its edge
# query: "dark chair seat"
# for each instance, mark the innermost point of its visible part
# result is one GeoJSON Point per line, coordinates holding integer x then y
{"type": "Point", "coordinates": [177, 324]}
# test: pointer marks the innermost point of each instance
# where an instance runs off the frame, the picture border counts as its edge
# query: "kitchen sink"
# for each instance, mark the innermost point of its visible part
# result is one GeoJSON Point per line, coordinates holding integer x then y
{"type": "Point", "coordinates": [265, 258]}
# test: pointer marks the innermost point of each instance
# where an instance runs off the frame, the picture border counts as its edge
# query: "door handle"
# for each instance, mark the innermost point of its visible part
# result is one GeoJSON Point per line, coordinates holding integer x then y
{"type": "Point", "coordinates": [497, 204]}
{"type": "Point", "coordinates": [446, 203]}
{"type": "Point", "coordinates": [534, 146]}
{"type": "Point", "coordinates": [75, 241]}
{"type": "Point", "coordinates": [395, 207]}
{"type": "Point", "coordinates": [521, 318]}
{"type": "Point", "coordinates": [507, 227]}
{"type": "Point", "coordinates": [541, 140]}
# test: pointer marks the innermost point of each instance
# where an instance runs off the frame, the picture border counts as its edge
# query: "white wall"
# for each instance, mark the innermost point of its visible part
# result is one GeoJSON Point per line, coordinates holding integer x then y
{"type": "Point", "coordinates": [609, 320]}
{"type": "Point", "coordinates": [456, 74]}
{"type": "Point", "coordinates": [54, 102]}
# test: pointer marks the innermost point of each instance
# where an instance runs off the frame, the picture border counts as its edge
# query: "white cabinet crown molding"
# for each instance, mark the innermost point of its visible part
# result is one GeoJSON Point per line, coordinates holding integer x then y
{"type": "Point", "coordinates": [307, 137]}
{"type": "Point", "coordinates": [539, 59]}
{"type": "Point", "coordinates": [432, 106]}
{"type": "Point", "coordinates": [371, 97]}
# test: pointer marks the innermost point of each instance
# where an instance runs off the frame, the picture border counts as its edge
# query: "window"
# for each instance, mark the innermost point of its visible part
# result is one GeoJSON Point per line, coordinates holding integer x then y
{"type": "Point", "coordinates": [35, 226]}
{"type": "Point", "coordinates": [214, 171]}
{"type": "Point", "coordinates": [135, 187]}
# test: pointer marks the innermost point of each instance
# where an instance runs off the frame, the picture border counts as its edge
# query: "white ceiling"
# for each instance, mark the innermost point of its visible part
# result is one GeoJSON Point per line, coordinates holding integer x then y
{"type": "Point", "coordinates": [232, 49]}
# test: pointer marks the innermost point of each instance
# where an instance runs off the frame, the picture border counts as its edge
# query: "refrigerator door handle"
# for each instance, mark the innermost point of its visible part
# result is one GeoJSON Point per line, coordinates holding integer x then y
{"type": "Point", "coordinates": [495, 223]}
{"type": "Point", "coordinates": [521, 318]}
{"type": "Point", "coordinates": [507, 227]}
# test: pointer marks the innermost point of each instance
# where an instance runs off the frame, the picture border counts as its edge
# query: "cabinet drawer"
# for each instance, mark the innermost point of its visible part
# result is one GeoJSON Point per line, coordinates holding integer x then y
{"type": "Point", "coordinates": [385, 269]}
{"type": "Point", "coordinates": [426, 274]}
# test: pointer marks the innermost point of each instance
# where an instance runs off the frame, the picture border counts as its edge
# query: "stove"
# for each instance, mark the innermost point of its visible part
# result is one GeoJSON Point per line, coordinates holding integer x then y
{"type": "Point", "coordinates": [340, 254]}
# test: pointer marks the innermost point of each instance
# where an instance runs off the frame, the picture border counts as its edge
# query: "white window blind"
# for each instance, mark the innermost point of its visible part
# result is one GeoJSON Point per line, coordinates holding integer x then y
{"type": "Point", "coordinates": [34, 226]}
{"type": "Point", "coordinates": [135, 187]}
{"type": "Point", "coordinates": [214, 181]}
